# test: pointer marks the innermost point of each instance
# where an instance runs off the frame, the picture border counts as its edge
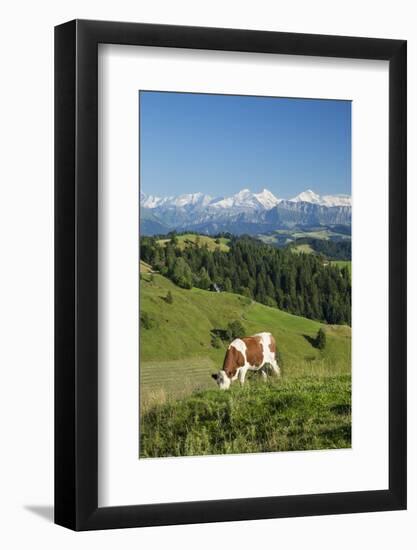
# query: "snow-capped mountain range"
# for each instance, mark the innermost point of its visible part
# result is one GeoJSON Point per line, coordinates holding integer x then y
{"type": "Point", "coordinates": [243, 200]}
{"type": "Point", "coordinates": [247, 200]}
{"type": "Point", "coordinates": [324, 200]}
{"type": "Point", "coordinates": [242, 212]}
{"type": "Point", "coordinates": [179, 201]}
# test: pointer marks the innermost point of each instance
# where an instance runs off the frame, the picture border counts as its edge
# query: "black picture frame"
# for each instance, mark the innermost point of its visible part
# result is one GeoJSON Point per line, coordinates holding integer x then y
{"type": "Point", "coordinates": [76, 272]}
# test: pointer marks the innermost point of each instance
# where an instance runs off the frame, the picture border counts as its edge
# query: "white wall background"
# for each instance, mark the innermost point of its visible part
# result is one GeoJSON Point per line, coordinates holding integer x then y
{"type": "Point", "coordinates": [26, 271]}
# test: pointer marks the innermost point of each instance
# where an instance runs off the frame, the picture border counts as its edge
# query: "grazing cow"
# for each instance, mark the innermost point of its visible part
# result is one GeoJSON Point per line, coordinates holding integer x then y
{"type": "Point", "coordinates": [243, 354]}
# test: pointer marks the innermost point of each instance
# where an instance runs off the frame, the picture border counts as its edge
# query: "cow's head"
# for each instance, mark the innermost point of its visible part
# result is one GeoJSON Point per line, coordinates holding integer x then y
{"type": "Point", "coordinates": [222, 380]}
{"type": "Point", "coordinates": [232, 361]}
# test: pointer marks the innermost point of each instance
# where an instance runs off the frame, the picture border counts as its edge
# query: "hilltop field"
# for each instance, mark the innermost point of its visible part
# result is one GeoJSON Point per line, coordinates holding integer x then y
{"type": "Point", "coordinates": [192, 239]}
{"type": "Point", "coordinates": [183, 412]}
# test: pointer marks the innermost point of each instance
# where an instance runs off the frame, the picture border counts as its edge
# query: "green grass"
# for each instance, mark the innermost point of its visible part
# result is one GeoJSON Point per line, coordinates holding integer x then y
{"type": "Point", "coordinates": [162, 381]}
{"type": "Point", "coordinates": [144, 267]}
{"type": "Point", "coordinates": [285, 415]}
{"type": "Point", "coordinates": [292, 234]}
{"type": "Point", "coordinates": [177, 359]}
{"type": "Point", "coordinates": [190, 239]}
{"type": "Point", "coordinates": [183, 328]}
{"type": "Point", "coordinates": [302, 249]}
{"type": "Point", "coordinates": [181, 339]}
{"type": "Point", "coordinates": [343, 263]}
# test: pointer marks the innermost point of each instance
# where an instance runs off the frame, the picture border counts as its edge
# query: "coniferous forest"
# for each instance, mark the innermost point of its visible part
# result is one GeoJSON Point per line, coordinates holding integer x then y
{"type": "Point", "coordinates": [301, 284]}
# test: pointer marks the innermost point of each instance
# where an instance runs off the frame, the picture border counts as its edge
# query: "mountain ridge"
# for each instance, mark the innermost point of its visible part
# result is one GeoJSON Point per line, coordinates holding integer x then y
{"type": "Point", "coordinates": [243, 212]}
{"type": "Point", "coordinates": [243, 198]}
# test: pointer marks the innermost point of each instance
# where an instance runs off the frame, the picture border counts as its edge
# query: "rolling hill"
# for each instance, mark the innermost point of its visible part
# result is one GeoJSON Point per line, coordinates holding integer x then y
{"type": "Point", "coordinates": [192, 239]}
{"type": "Point", "coordinates": [184, 414]}
{"type": "Point", "coordinates": [177, 355]}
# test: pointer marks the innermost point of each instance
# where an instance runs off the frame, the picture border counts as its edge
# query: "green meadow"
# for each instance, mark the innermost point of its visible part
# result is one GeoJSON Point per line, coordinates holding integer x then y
{"type": "Point", "coordinates": [184, 413]}
{"type": "Point", "coordinates": [302, 249]}
{"type": "Point", "coordinates": [343, 263]}
{"type": "Point", "coordinates": [286, 415]}
{"type": "Point", "coordinates": [191, 239]}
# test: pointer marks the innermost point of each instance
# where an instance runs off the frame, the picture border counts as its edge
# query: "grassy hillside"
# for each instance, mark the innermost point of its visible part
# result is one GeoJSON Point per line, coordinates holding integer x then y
{"type": "Point", "coordinates": [190, 239]}
{"type": "Point", "coordinates": [294, 414]}
{"type": "Point", "coordinates": [302, 248]}
{"type": "Point", "coordinates": [183, 412]}
{"type": "Point", "coordinates": [145, 268]}
{"type": "Point", "coordinates": [283, 237]}
{"type": "Point", "coordinates": [343, 263]}
{"type": "Point", "coordinates": [177, 354]}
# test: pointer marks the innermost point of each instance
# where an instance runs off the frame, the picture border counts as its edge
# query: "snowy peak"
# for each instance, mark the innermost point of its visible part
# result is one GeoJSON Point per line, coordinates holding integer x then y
{"type": "Point", "coordinates": [180, 201]}
{"type": "Point", "coordinates": [337, 200]}
{"type": "Point", "coordinates": [191, 199]}
{"type": "Point", "coordinates": [242, 201]}
{"type": "Point", "coordinates": [325, 200]}
{"type": "Point", "coordinates": [243, 212]}
{"type": "Point", "coordinates": [246, 200]}
{"type": "Point", "coordinates": [150, 201]}
{"type": "Point", "coordinates": [267, 199]}
{"type": "Point", "coordinates": [307, 196]}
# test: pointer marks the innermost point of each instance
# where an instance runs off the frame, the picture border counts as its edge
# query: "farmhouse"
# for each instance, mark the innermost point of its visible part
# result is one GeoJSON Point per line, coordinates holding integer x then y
{"type": "Point", "coordinates": [215, 288]}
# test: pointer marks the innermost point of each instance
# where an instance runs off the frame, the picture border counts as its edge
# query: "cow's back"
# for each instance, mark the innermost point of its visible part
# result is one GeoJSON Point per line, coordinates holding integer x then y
{"type": "Point", "coordinates": [257, 349]}
{"type": "Point", "coordinates": [269, 346]}
{"type": "Point", "coordinates": [254, 350]}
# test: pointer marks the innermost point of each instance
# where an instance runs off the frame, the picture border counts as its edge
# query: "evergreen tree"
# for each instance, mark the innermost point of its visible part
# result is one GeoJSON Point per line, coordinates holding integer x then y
{"type": "Point", "coordinates": [227, 284]}
{"type": "Point", "coordinates": [216, 341]}
{"type": "Point", "coordinates": [181, 273]}
{"type": "Point", "coordinates": [300, 284]}
{"type": "Point", "coordinates": [235, 329]}
{"type": "Point", "coordinates": [203, 279]}
{"type": "Point", "coordinates": [321, 339]}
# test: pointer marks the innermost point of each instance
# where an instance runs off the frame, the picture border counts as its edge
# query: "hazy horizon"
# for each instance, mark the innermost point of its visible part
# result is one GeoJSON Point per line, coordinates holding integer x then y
{"type": "Point", "coordinates": [173, 193]}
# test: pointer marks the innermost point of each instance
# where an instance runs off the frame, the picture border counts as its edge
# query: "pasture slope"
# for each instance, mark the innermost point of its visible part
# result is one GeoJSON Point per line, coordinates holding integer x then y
{"type": "Point", "coordinates": [183, 412]}
{"type": "Point", "coordinates": [343, 263]}
{"type": "Point", "coordinates": [192, 239]}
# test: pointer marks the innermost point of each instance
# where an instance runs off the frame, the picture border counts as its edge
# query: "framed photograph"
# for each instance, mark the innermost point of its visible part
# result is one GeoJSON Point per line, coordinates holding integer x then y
{"type": "Point", "coordinates": [230, 252]}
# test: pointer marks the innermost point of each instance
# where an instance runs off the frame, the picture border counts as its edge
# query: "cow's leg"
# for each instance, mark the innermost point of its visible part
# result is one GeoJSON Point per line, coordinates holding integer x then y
{"type": "Point", "coordinates": [275, 367]}
{"type": "Point", "coordinates": [264, 375]}
{"type": "Point", "coordinates": [242, 374]}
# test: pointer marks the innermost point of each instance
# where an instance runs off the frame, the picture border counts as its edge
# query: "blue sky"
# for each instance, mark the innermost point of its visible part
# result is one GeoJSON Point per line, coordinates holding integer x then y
{"type": "Point", "coordinates": [220, 144]}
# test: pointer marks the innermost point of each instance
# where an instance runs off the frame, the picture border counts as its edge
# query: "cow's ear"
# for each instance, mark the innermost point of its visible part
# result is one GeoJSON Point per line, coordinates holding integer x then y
{"type": "Point", "coordinates": [214, 376]}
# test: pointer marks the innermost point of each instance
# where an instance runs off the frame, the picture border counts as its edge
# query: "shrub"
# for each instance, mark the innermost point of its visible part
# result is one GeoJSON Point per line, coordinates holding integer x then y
{"type": "Point", "coordinates": [203, 280]}
{"type": "Point", "coordinates": [216, 341]}
{"type": "Point", "coordinates": [235, 329]}
{"type": "Point", "coordinates": [181, 273]}
{"type": "Point", "coordinates": [147, 321]}
{"type": "Point", "coordinates": [270, 302]}
{"type": "Point", "coordinates": [321, 339]}
{"type": "Point", "coordinates": [169, 298]}
{"type": "Point", "coordinates": [227, 285]}
{"type": "Point", "coordinates": [173, 238]}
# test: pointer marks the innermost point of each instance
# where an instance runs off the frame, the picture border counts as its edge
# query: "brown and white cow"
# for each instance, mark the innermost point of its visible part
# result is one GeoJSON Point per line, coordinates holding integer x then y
{"type": "Point", "coordinates": [243, 354]}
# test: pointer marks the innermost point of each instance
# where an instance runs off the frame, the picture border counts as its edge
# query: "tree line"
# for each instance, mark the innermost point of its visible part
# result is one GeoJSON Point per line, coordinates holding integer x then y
{"type": "Point", "coordinates": [301, 284]}
{"type": "Point", "coordinates": [332, 250]}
